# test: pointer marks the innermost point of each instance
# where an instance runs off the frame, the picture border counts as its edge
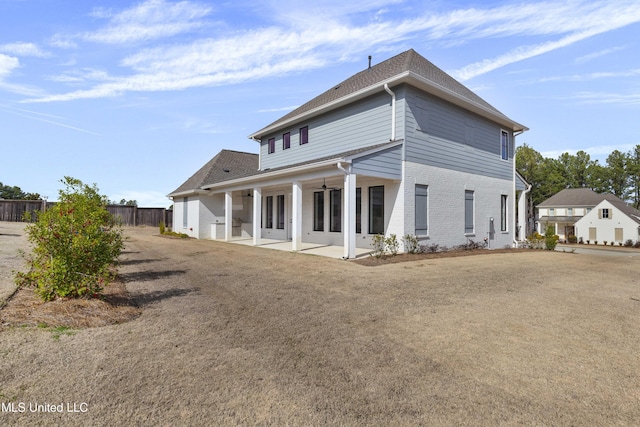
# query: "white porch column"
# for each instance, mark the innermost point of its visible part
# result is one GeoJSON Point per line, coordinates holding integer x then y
{"type": "Point", "coordinates": [228, 215]}
{"type": "Point", "coordinates": [257, 216]}
{"type": "Point", "coordinates": [349, 221]}
{"type": "Point", "coordinates": [296, 217]}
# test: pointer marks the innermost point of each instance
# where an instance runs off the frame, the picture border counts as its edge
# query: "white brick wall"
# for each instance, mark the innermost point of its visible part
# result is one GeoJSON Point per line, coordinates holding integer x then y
{"type": "Point", "coordinates": [446, 193]}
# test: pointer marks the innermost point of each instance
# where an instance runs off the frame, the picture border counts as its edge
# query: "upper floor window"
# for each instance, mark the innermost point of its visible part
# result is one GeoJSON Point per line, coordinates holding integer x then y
{"type": "Point", "coordinates": [304, 135]}
{"type": "Point", "coordinates": [504, 145]}
{"type": "Point", "coordinates": [605, 213]}
{"type": "Point", "coordinates": [569, 211]}
{"type": "Point", "coordinates": [272, 145]}
{"type": "Point", "coordinates": [286, 140]}
{"type": "Point", "coordinates": [552, 212]}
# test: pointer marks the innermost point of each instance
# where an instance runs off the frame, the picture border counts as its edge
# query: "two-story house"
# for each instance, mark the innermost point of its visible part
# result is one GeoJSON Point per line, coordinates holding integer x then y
{"type": "Point", "coordinates": [398, 148]}
{"type": "Point", "coordinates": [588, 215]}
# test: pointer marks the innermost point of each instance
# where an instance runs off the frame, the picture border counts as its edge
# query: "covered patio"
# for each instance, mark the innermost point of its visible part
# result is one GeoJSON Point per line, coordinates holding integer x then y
{"type": "Point", "coordinates": [331, 251]}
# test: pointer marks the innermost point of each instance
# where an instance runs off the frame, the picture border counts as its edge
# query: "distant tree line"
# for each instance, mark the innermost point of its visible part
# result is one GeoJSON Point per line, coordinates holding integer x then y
{"type": "Point", "coordinates": [619, 176]}
{"type": "Point", "coordinates": [8, 192]}
{"type": "Point", "coordinates": [15, 193]}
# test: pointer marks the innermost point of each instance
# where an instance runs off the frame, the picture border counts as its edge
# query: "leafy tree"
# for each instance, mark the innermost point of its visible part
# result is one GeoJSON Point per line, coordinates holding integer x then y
{"type": "Point", "coordinates": [75, 244]}
{"type": "Point", "coordinates": [32, 196]}
{"type": "Point", "coordinates": [529, 165]}
{"type": "Point", "coordinates": [11, 193]}
{"type": "Point", "coordinates": [617, 177]}
{"type": "Point", "coordinates": [633, 168]}
{"type": "Point", "coordinates": [577, 169]}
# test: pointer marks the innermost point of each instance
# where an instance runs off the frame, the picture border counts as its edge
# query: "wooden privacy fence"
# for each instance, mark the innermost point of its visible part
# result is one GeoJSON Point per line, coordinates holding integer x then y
{"type": "Point", "coordinates": [14, 210]}
{"type": "Point", "coordinates": [133, 215]}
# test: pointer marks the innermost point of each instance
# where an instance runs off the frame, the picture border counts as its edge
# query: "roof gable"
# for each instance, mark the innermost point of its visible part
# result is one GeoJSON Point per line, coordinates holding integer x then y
{"type": "Point", "coordinates": [409, 65]}
{"type": "Point", "coordinates": [224, 166]}
{"type": "Point", "coordinates": [618, 204]}
{"type": "Point", "coordinates": [576, 197]}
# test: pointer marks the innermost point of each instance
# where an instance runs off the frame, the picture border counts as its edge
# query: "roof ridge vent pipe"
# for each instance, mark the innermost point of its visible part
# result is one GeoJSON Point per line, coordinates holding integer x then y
{"type": "Point", "coordinates": [393, 111]}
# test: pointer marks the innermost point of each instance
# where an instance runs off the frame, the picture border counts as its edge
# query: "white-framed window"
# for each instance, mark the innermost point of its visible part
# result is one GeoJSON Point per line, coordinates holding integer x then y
{"type": "Point", "coordinates": [504, 145]}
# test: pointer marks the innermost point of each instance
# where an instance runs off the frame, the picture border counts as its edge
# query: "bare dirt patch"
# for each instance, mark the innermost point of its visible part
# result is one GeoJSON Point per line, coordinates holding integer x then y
{"type": "Point", "coordinates": [235, 335]}
{"type": "Point", "coordinates": [26, 308]}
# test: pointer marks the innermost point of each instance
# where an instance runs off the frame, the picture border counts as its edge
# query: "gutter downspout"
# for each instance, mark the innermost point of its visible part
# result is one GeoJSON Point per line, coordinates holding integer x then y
{"type": "Point", "coordinates": [393, 111]}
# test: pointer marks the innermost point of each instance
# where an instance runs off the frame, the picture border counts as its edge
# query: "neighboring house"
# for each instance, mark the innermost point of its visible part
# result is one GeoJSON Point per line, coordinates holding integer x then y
{"type": "Point", "coordinates": [586, 214]}
{"type": "Point", "coordinates": [399, 148]}
{"type": "Point", "coordinates": [610, 221]}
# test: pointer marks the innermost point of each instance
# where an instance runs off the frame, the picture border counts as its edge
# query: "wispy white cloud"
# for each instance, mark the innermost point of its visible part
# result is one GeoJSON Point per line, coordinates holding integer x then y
{"type": "Point", "coordinates": [597, 18]}
{"type": "Point", "coordinates": [280, 50]}
{"type": "Point", "coordinates": [274, 110]}
{"type": "Point", "coordinates": [8, 64]}
{"type": "Point", "coordinates": [608, 98]}
{"type": "Point", "coordinates": [44, 117]}
{"type": "Point", "coordinates": [592, 76]}
{"type": "Point", "coordinates": [23, 49]}
{"type": "Point", "coordinates": [586, 58]}
{"type": "Point", "coordinates": [149, 20]}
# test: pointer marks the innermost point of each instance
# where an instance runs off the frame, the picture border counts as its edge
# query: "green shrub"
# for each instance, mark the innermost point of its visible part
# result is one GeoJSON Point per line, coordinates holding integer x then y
{"type": "Point", "coordinates": [628, 243]}
{"type": "Point", "coordinates": [75, 244]}
{"type": "Point", "coordinates": [392, 244]}
{"type": "Point", "coordinates": [550, 238]}
{"type": "Point", "coordinates": [573, 239]}
{"type": "Point", "coordinates": [162, 227]}
{"type": "Point", "coordinates": [378, 245]}
{"type": "Point", "coordinates": [411, 243]}
{"type": "Point", "coordinates": [535, 240]}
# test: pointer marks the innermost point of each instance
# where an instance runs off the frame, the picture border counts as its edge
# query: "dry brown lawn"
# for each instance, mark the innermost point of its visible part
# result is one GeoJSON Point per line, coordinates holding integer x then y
{"type": "Point", "coordinates": [235, 335]}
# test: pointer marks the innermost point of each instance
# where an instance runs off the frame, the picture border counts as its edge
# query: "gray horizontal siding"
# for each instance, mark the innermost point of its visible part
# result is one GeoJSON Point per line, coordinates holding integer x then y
{"type": "Point", "coordinates": [384, 164]}
{"type": "Point", "coordinates": [362, 124]}
{"type": "Point", "coordinates": [444, 135]}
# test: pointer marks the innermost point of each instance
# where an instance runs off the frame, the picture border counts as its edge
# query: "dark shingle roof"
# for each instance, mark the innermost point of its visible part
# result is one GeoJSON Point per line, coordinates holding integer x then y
{"type": "Point", "coordinates": [588, 198]}
{"type": "Point", "coordinates": [630, 211]}
{"type": "Point", "coordinates": [406, 62]}
{"type": "Point", "coordinates": [576, 197]}
{"type": "Point", "coordinates": [226, 165]}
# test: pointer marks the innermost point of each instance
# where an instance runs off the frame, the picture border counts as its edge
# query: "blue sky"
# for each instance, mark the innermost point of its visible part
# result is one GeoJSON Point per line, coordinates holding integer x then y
{"type": "Point", "coordinates": [136, 96]}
